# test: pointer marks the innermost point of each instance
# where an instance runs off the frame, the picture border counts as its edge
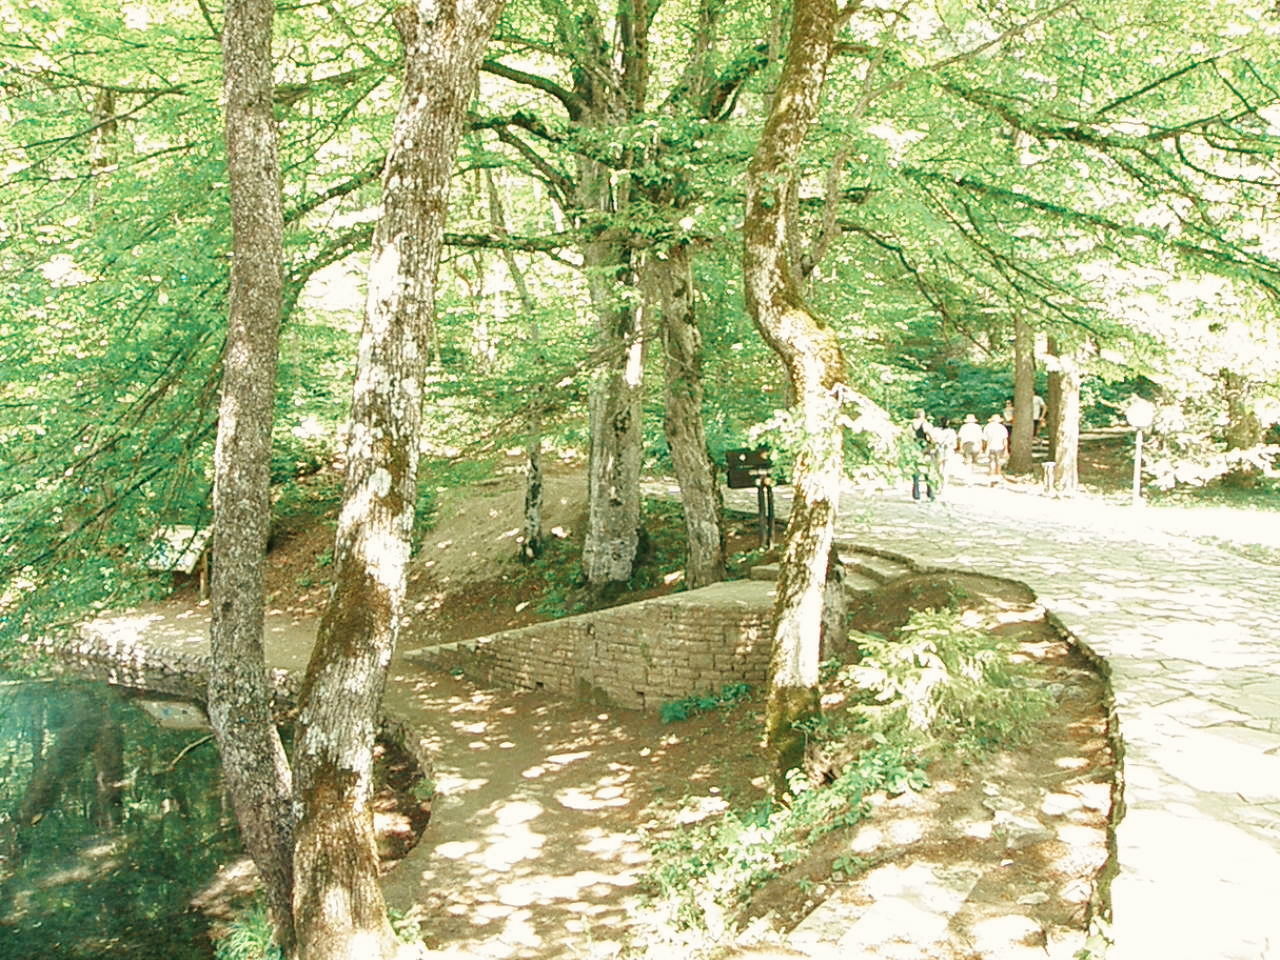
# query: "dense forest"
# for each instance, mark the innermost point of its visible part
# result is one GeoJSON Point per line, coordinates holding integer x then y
{"type": "Point", "coordinates": [239, 243]}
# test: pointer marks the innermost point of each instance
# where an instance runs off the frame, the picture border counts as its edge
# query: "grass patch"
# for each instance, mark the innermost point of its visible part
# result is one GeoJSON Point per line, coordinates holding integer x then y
{"type": "Point", "coordinates": [249, 937]}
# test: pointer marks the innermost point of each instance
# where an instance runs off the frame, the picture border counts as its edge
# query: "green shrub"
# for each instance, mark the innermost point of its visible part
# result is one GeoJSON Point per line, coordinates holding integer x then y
{"type": "Point", "coordinates": [701, 874]}
{"type": "Point", "coordinates": [941, 680]}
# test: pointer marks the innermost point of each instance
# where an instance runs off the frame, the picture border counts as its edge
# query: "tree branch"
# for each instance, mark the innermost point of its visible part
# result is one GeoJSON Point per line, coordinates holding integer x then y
{"type": "Point", "coordinates": [573, 104]}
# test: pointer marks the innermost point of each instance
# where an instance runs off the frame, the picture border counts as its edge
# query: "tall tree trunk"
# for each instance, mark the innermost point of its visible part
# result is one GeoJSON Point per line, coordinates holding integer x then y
{"type": "Point", "coordinates": [669, 281]}
{"type": "Point", "coordinates": [253, 759]}
{"type": "Point", "coordinates": [1053, 401]}
{"type": "Point", "coordinates": [1024, 388]}
{"type": "Point", "coordinates": [615, 411]}
{"type": "Point", "coordinates": [811, 355]}
{"type": "Point", "coordinates": [1244, 429]}
{"type": "Point", "coordinates": [1066, 427]}
{"type": "Point", "coordinates": [531, 536]}
{"type": "Point", "coordinates": [611, 90]}
{"type": "Point", "coordinates": [338, 904]}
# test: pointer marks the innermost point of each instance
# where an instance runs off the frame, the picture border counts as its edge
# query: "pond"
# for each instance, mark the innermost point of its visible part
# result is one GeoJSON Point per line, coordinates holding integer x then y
{"type": "Point", "coordinates": [112, 817]}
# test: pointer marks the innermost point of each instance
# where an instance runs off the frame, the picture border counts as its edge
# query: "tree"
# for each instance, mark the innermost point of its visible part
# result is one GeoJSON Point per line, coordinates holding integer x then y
{"type": "Point", "coordinates": [1064, 366]}
{"type": "Point", "coordinates": [240, 701]}
{"type": "Point", "coordinates": [338, 906]}
{"type": "Point", "coordinates": [1024, 386]}
{"type": "Point", "coordinates": [670, 289]}
{"type": "Point", "coordinates": [615, 153]}
{"type": "Point", "coordinates": [810, 354]}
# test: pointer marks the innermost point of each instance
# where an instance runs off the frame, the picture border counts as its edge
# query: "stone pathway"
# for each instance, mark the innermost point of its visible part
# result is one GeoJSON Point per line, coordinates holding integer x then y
{"type": "Point", "coordinates": [1192, 637]}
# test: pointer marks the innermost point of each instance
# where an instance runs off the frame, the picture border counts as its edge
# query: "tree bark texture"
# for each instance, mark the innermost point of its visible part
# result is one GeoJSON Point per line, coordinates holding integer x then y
{"type": "Point", "coordinates": [338, 902]}
{"type": "Point", "coordinates": [615, 402]}
{"type": "Point", "coordinates": [669, 282]}
{"type": "Point", "coordinates": [1066, 436]}
{"type": "Point", "coordinates": [1024, 388]}
{"type": "Point", "coordinates": [253, 759]}
{"type": "Point", "coordinates": [610, 89]}
{"type": "Point", "coordinates": [1053, 402]}
{"type": "Point", "coordinates": [810, 353]}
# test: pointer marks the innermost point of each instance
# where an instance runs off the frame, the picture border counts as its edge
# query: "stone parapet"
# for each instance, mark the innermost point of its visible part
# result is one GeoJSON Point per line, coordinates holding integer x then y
{"type": "Point", "coordinates": [638, 656]}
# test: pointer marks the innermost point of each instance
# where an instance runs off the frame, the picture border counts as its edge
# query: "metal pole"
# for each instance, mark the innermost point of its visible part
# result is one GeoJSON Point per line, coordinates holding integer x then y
{"type": "Point", "coordinates": [762, 515]}
{"type": "Point", "coordinates": [1137, 469]}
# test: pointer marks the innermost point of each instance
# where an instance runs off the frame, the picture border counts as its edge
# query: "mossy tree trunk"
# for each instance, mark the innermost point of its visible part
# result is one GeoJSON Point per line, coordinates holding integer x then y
{"type": "Point", "coordinates": [810, 354]}
{"type": "Point", "coordinates": [338, 904]}
{"type": "Point", "coordinates": [669, 285]}
{"type": "Point", "coordinates": [253, 758]}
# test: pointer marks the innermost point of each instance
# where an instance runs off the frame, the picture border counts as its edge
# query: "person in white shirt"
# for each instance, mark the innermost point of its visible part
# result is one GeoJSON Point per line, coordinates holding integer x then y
{"type": "Point", "coordinates": [970, 437]}
{"type": "Point", "coordinates": [1037, 413]}
{"type": "Point", "coordinates": [995, 437]}
{"type": "Point", "coordinates": [941, 450]}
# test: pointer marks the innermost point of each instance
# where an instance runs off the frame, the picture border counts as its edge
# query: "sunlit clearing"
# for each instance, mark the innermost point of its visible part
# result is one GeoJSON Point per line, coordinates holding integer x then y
{"type": "Point", "coordinates": [701, 808]}
{"type": "Point", "coordinates": [576, 798]}
{"type": "Point", "coordinates": [451, 786]}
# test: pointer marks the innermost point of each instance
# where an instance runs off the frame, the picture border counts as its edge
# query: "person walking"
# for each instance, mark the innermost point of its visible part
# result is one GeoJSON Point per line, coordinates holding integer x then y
{"type": "Point", "coordinates": [921, 432]}
{"type": "Point", "coordinates": [942, 450]}
{"type": "Point", "coordinates": [971, 440]}
{"type": "Point", "coordinates": [995, 436]}
{"type": "Point", "coordinates": [1037, 413]}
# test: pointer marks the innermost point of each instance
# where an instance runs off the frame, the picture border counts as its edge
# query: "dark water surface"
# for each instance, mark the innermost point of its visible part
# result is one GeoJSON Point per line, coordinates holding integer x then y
{"type": "Point", "coordinates": [112, 817]}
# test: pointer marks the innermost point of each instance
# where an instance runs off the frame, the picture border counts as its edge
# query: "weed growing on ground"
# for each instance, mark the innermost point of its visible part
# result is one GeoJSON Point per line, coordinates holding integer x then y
{"type": "Point", "coordinates": [940, 685]}
{"type": "Point", "coordinates": [249, 937]}
{"type": "Point", "coordinates": [701, 875]}
{"type": "Point", "coordinates": [675, 710]}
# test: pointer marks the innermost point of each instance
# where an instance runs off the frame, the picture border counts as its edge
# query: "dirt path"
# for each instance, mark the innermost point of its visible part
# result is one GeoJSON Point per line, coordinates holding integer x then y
{"type": "Point", "coordinates": [536, 838]}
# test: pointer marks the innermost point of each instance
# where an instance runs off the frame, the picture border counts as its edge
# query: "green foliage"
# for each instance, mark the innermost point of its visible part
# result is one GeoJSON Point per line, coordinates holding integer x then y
{"type": "Point", "coordinates": [249, 937]}
{"type": "Point", "coordinates": [711, 869]}
{"type": "Point", "coordinates": [943, 681]}
{"type": "Point", "coordinates": [675, 710]}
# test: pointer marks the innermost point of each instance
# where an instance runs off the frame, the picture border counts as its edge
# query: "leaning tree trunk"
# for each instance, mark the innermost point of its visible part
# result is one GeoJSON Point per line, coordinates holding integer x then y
{"type": "Point", "coordinates": [1066, 428]}
{"type": "Point", "coordinates": [811, 355]}
{"type": "Point", "coordinates": [1024, 388]}
{"type": "Point", "coordinates": [253, 759]}
{"type": "Point", "coordinates": [614, 408]}
{"type": "Point", "coordinates": [670, 282]}
{"type": "Point", "coordinates": [338, 904]}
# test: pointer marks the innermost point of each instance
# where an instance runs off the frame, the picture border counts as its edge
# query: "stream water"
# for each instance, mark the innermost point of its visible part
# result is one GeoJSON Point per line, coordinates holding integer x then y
{"type": "Point", "coordinates": [112, 817]}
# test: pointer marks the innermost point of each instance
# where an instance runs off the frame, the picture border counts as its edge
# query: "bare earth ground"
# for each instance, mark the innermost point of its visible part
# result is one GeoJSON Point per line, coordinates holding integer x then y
{"type": "Point", "coordinates": [540, 826]}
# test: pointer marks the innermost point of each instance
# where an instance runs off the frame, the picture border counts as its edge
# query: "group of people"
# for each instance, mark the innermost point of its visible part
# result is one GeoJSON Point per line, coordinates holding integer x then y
{"type": "Point", "coordinates": [977, 443]}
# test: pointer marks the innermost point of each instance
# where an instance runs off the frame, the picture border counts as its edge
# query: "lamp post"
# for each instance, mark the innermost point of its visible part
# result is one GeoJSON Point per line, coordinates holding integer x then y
{"type": "Point", "coordinates": [1140, 413]}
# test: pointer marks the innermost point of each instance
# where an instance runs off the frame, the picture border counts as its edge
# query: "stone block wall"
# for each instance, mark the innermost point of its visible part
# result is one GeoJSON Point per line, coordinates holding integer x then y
{"type": "Point", "coordinates": [639, 655]}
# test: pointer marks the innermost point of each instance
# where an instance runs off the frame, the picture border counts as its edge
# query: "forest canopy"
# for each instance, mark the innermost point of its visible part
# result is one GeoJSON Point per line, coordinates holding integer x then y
{"type": "Point", "coordinates": [1103, 172]}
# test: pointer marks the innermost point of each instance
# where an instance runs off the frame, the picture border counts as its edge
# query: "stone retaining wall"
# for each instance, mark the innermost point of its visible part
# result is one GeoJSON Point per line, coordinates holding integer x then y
{"type": "Point", "coordinates": [637, 656]}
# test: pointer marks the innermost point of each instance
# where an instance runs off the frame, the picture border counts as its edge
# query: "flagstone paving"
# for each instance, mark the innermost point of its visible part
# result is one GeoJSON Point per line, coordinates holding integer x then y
{"type": "Point", "coordinates": [1192, 638]}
